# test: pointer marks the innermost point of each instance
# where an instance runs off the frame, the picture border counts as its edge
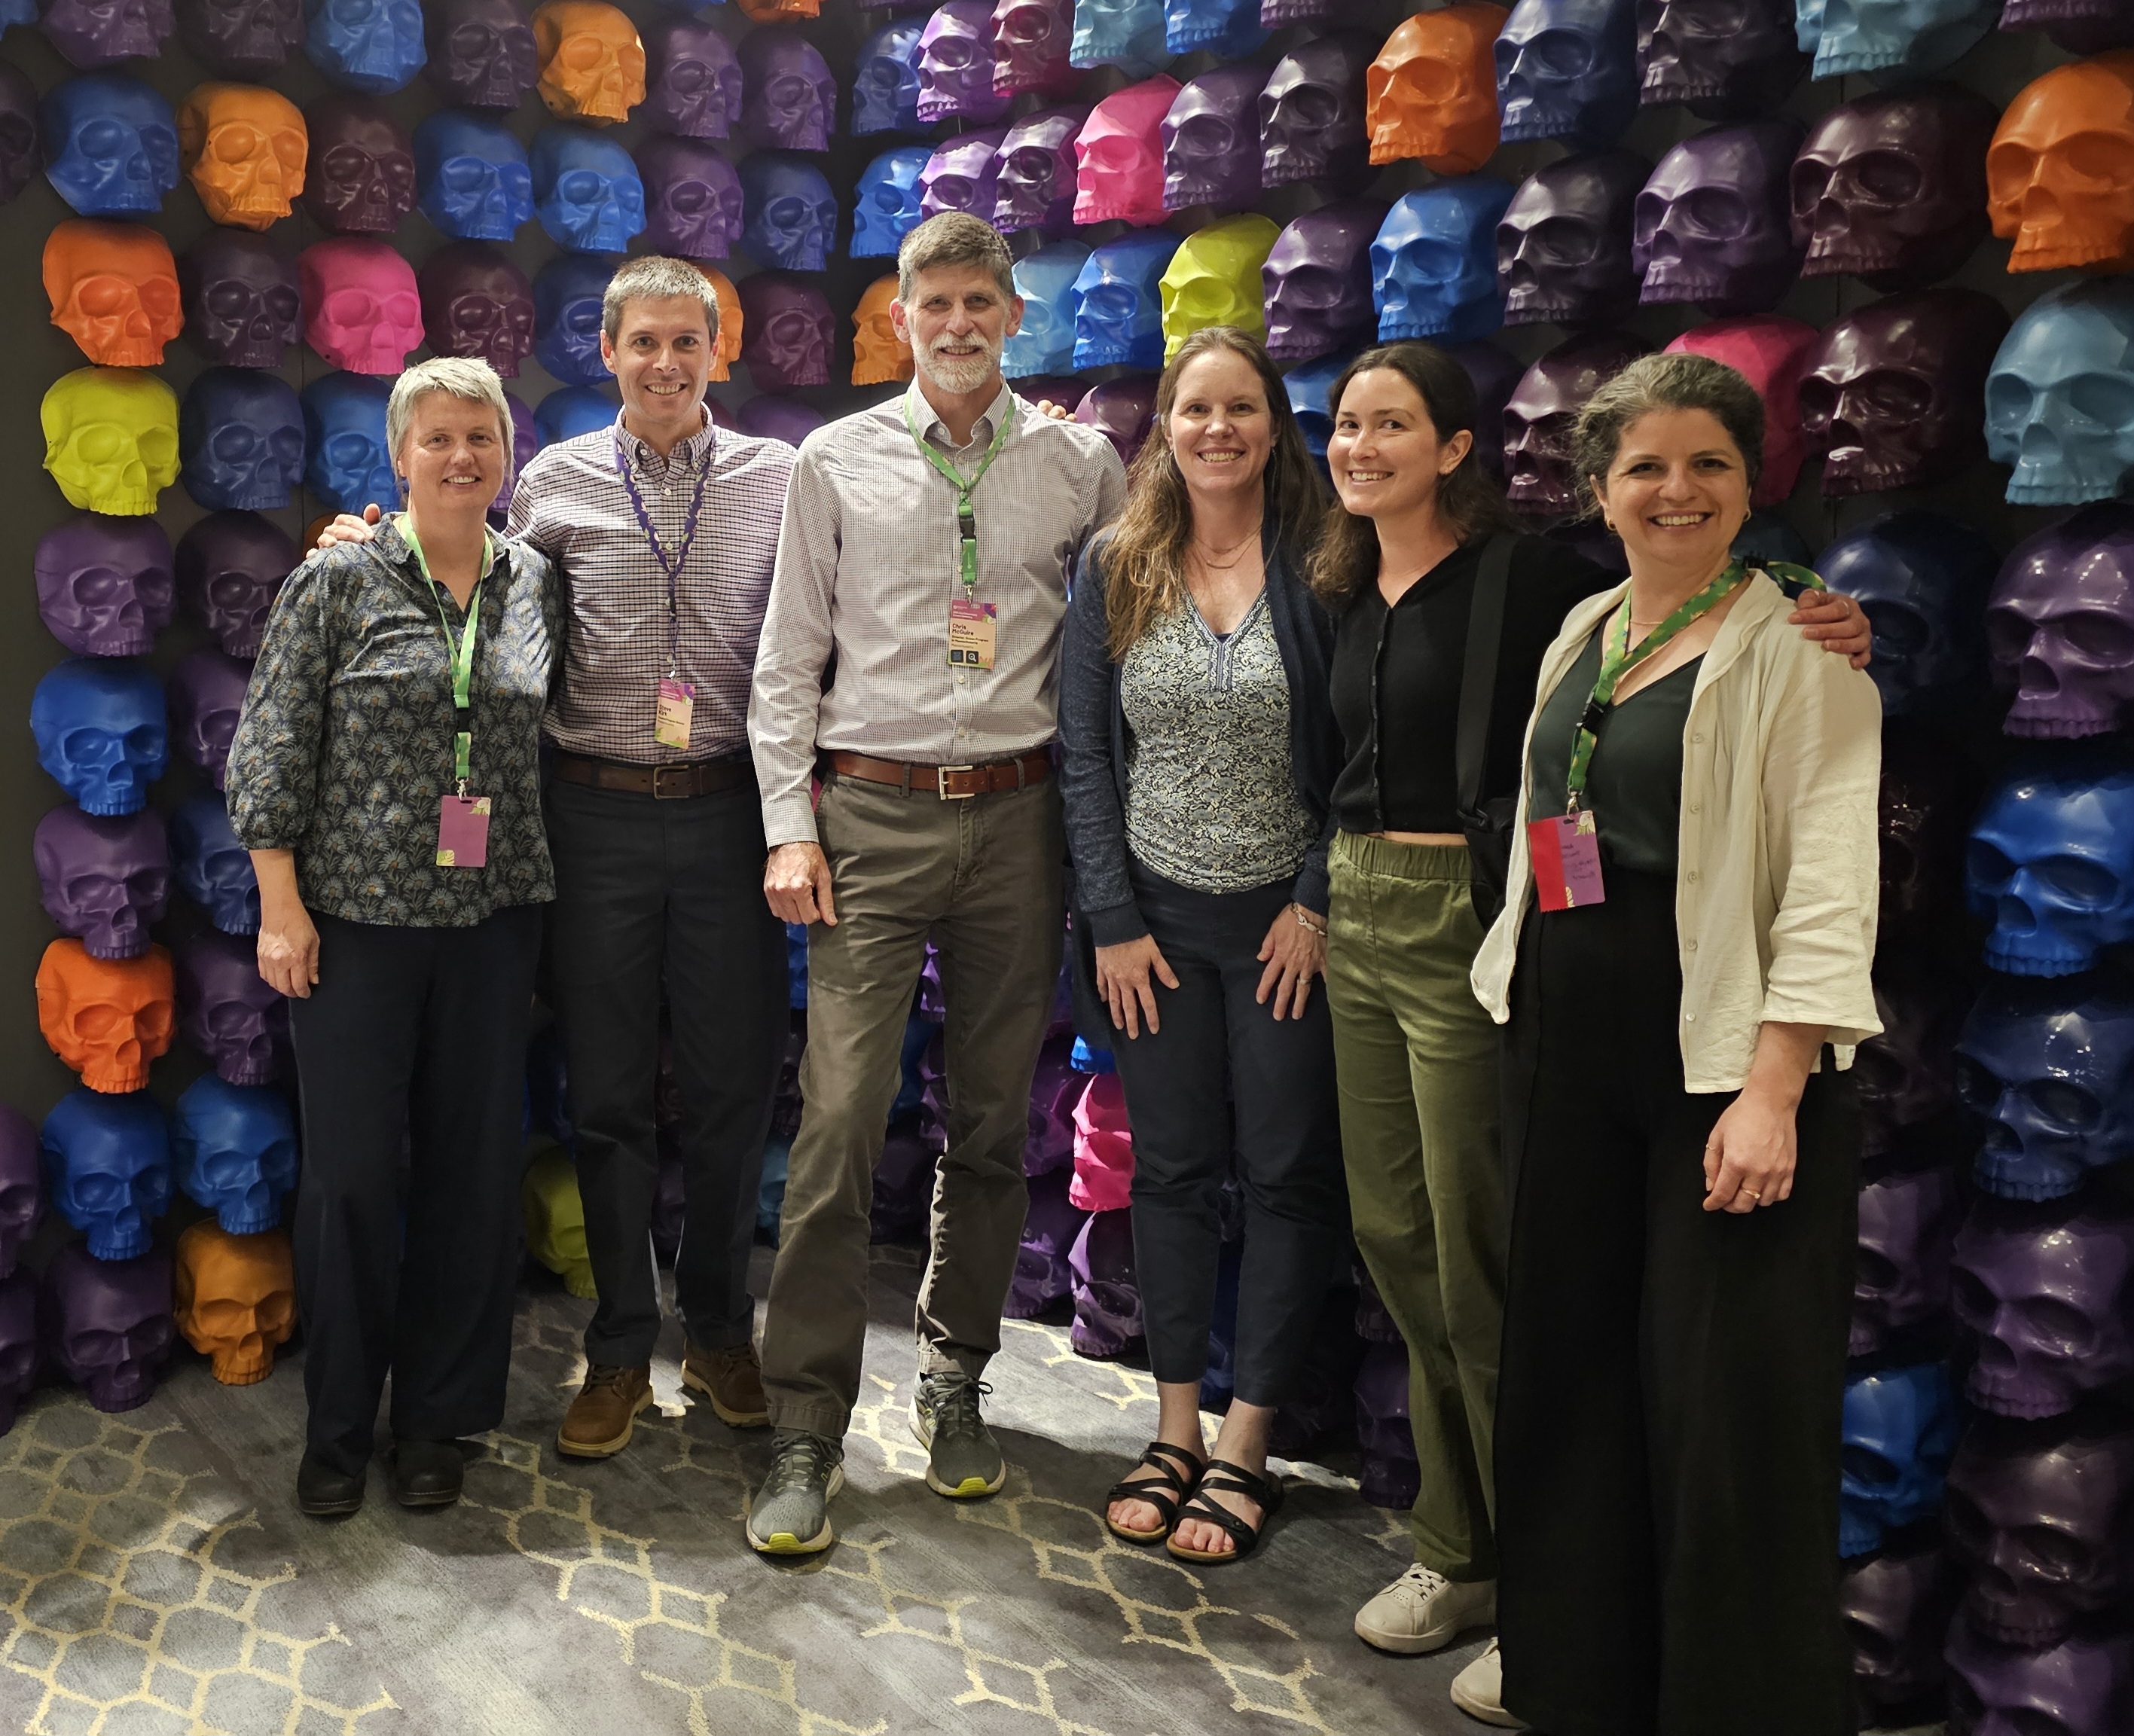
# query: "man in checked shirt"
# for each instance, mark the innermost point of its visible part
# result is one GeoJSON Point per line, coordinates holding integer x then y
{"type": "Point", "coordinates": [664, 529]}
{"type": "Point", "coordinates": [925, 553]}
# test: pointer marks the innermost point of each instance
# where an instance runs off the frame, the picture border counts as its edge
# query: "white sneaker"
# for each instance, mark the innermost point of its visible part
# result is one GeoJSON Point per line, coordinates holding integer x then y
{"type": "Point", "coordinates": [1478, 1690]}
{"type": "Point", "coordinates": [1423, 1611]}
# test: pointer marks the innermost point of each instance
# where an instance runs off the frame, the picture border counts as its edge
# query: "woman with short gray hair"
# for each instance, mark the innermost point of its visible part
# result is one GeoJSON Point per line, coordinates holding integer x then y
{"type": "Point", "coordinates": [385, 777]}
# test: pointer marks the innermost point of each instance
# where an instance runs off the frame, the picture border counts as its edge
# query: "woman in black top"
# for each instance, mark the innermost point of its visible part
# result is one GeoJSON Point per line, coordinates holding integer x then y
{"type": "Point", "coordinates": [1416, 1055]}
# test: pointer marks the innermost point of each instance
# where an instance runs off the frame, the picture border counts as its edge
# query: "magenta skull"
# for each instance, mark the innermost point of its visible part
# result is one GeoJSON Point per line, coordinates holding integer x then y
{"type": "Point", "coordinates": [1123, 410]}
{"type": "Point", "coordinates": [104, 586]}
{"type": "Point", "coordinates": [1031, 40]}
{"type": "Point", "coordinates": [2060, 625]}
{"type": "Point", "coordinates": [2049, 1297]}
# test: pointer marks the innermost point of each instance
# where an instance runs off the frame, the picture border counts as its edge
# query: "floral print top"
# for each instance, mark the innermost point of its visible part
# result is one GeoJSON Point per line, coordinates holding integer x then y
{"type": "Point", "coordinates": [345, 743]}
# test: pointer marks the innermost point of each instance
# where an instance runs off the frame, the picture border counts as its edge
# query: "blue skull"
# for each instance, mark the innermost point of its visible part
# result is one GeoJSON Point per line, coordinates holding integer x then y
{"type": "Point", "coordinates": [241, 438]}
{"type": "Point", "coordinates": [1127, 34]}
{"type": "Point", "coordinates": [567, 318]}
{"type": "Point", "coordinates": [2050, 1069]}
{"type": "Point", "coordinates": [235, 1149]}
{"type": "Point", "coordinates": [1309, 387]}
{"type": "Point", "coordinates": [1118, 312]}
{"type": "Point", "coordinates": [1765, 536]}
{"type": "Point", "coordinates": [1568, 70]}
{"type": "Point", "coordinates": [101, 731]}
{"type": "Point", "coordinates": [886, 203]}
{"type": "Point", "coordinates": [1922, 580]}
{"type": "Point", "coordinates": [211, 867]}
{"type": "Point", "coordinates": [570, 411]}
{"type": "Point", "coordinates": [345, 425]}
{"type": "Point", "coordinates": [1900, 1433]}
{"type": "Point", "coordinates": [886, 83]}
{"type": "Point", "coordinates": [1225, 27]}
{"type": "Point", "coordinates": [2060, 398]}
{"type": "Point", "coordinates": [2051, 861]}
{"type": "Point", "coordinates": [17, 11]}
{"type": "Point", "coordinates": [1434, 263]}
{"type": "Point", "coordinates": [1914, 37]}
{"type": "Point", "coordinates": [111, 144]}
{"type": "Point", "coordinates": [585, 191]}
{"type": "Point", "coordinates": [365, 44]}
{"type": "Point", "coordinates": [1045, 280]}
{"type": "Point", "coordinates": [107, 1167]}
{"type": "Point", "coordinates": [473, 176]}
{"type": "Point", "coordinates": [792, 214]}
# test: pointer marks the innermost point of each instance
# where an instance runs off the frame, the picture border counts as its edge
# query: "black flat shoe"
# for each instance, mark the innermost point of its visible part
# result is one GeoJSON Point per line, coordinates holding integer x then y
{"type": "Point", "coordinates": [425, 1472]}
{"type": "Point", "coordinates": [1230, 1479]}
{"type": "Point", "coordinates": [324, 1492]}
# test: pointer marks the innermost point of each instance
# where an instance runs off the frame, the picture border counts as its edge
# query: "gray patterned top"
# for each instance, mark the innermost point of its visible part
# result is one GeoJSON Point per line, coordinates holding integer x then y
{"type": "Point", "coordinates": [345, 742]}
{"type": "Point", "coordinates": [1211, 798]}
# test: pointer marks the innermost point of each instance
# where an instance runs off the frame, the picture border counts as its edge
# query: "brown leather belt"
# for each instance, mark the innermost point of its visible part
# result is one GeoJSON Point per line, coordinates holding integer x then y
{"type": "Point", "coordinates": [950, 782]}
{"type": "Point", "coordinates": [666, 782]}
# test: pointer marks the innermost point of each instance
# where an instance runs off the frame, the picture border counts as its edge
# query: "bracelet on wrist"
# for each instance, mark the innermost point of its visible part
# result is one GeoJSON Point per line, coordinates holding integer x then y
{"type": "Point", "coordinates": [1306, 919]}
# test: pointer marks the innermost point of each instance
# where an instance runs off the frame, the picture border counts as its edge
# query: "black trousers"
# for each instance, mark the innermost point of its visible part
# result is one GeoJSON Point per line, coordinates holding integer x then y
{"type": "Point", "coordinates": [414, 1041]}
{"type": "Point", "coordinates": [1280, 1076]}
{"type": "Point", "coordinates": [651, 891]}
{"type": "Point", "coordinates": [1668, 1413]}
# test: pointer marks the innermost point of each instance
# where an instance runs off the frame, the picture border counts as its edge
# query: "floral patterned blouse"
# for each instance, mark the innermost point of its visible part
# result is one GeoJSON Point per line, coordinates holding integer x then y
{"type": "Point", "coordinates": [345, 742]}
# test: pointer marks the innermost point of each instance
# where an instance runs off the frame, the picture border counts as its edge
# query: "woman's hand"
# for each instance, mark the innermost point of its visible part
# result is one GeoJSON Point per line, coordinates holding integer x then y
{"type": "Point", "coordinates": [1294, 952]}
{"type": "Point", "coordinates": [1124, 978]}
{"type": "Point", "coordinates": [1838, 624]}
{"type": "Point", "coordinates": [1749, 1159]}
{"type": "Point", "coordinates": [288, 949]}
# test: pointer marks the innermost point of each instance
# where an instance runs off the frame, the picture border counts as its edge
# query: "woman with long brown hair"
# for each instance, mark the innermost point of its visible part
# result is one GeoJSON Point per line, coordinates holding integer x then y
{"type": "Point", "coordinates": [1199, 756]}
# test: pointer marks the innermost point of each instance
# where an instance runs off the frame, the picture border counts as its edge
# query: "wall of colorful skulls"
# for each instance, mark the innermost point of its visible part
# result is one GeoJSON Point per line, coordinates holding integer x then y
{"type": "Point", "coordinates": [1909, 222]}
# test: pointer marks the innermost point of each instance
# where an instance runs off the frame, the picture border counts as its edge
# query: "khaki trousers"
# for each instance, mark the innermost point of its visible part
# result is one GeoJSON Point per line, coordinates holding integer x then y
{"type": "Point", "coordinates": [1416, 1061]}
{"type": "Point", "coordinates": [982, 878]}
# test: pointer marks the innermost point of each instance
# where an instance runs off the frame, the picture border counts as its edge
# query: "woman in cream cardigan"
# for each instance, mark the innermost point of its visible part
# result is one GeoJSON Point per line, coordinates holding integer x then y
{"type": "Point", "coordinates": [1683, 962]}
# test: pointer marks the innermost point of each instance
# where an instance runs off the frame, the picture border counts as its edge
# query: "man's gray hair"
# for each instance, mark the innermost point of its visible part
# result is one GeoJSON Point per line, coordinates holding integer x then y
{"type": "Point", "coordinates": [654, 277]}
{"type": "Point", "coordinates": [462, 377]}
{"type": "Point", "coordinates": [952, 238]}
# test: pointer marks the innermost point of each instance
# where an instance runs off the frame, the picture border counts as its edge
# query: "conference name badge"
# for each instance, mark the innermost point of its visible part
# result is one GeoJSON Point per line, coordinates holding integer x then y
{"type": "Point", "coordinates": [673, 713]}
{"type": "Point", "coordinates": [972, 633]}
{"type": "Point", "coordinates": [463, 832]}
{"type": "Point", "coordinates": [1566, 851]}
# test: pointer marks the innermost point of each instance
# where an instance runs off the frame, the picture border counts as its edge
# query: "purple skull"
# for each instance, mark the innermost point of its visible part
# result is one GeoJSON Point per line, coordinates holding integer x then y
{"type": "Point", "coordinates": [2060, 625]}
{"type": "Point", "coordinates": [787, 331]}
{"type": "Point", "coordinates": [20, 1355]}
{"type": "Point", "coordinates": [692, 198]}
{"type": "Point", "coordinates": [230, 565]}
{"type": "Point", "coordinates": [2080, 27]}
{"type": "Point", "coordinates": [1904, 1077]}
{"type": "Point", "coordinates": [670, 1200]}
{"type": "Point", "coordinates": [1374, 1321]}
{"type": "Point", "coordinates": [18, 130]}
{"type": "Point", "coordinates": [1390, 1476]}
{"type": "Point", "coordinates": [956, 64]}
{"type": "Point", "coordinates": [1107, 1294]}
{"type": "Point", "coordinates": [1727, 59]}
{"type": "Point", "coordinates": [1539, 418]}
{"type": "Point", "coordinates": [1031, 40]}
{"type": "Point", "coordinates": [1054, 1089]}
{"type": "Point", "coordinates": [1563, 247]}
{"type": "Point", "coordinates": [963, 174]}
{"type": "Point", "coordinates": [475, 303]}
{"type": "Point", "coordinates": [1711, 225]}
{"type": "Point", "coordinates": [525, 442]}
{"type": "Point", "coordinates": [243, 306]}
{"type": "Point", "coordinates": [1275, 13]}
{"type": "Point", "coordinates": [104, 878]}
{"type": "Point", "coordinates": [1211, 153]}
{"type": "Point", "coordinates": [2048, 1295]}
{"type": "Point", "coordinates": [692, 80]}
{"type": "Point", "coordinates": [1317, 280]}
{"type": "Point", "coordinates": [2051, 859]}
{"type": "Point", "coordinates": [1494, 374]}
{"type": "Point", "coordinates": [1927, 797]}
{"type": "Point", "coordinates": [2083, 1686]}
{"type": "Point", "coordinates": [1899, 1429]}
{"type": "Point", "coordinates": [1312, 122]}
{"type": "Point", "coordinates": [1036, 167]}
{"type": "Point", "coordinates": [1908, 1224]}
{"type": "Point", "coordinates": [242, 39]}
{"type": "Point", "coordinates": [791, 99]}
{"type": "Point", "coordinates": [207, 691]}
{"type": "Point", "coordinates": [228, 1013]}
{"type": "Point", "coordinates": [104, 584]}
{"type": "Point", "coordinates": [1567, 70]}
{"type": "Point", "coordinates": [1896, 1608]}
{"type": "Point", "coordinates": [903, 1183]}
{"type": "Point", "coordinates": [21, 1186]}
{"type": "Point", "coordinates": [107, 1323]}
{"type": "Point", "coordinates": [2050, 1067]}
{"type": "Point", "coordinates": [1066, 390]}
{"type": "Point", "coordinates": [95, 33]}
{"type": "Point", "coordinates": [2043, 1519]}
{"type": "Point", "coordinates": [1042, 1275]}
{"type": "Point", "coordinates": [1124, 409]}
{"type": "Point", "coordinates": [360, 176]}
{"type": "Point", "coordinates": [482, 52]}
{"type": "Point", "coordinates": [779, 418]}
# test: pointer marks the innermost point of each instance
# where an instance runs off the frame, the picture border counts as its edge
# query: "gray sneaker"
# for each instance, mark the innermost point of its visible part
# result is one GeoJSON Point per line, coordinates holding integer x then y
{"type": "Point", "coordinates": [965, 1459]}
{"type": "Point", "coordinates": [791, 1515]}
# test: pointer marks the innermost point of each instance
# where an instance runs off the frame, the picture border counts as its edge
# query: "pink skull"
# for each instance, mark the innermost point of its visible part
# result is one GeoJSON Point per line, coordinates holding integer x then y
{"type": "Point", "coordinates": [1771, 352]}
{"type": "Point", "coordinates": [1029, 47]}
{"type": "Point", "coordinates": [2050, 1297]}
{"type": "Point", "coordinates": [1104, 1147]}
{"type": "Point", "coordinates": [363, 310]}
{"type": "Point", "coordinates": [2061, 625]}
{"type": "Point", "coordinates": [1118, 156]}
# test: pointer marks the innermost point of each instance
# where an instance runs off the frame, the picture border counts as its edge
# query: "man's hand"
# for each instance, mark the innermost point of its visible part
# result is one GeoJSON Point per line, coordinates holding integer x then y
{"type": "Point", "coordinates": [1838, 624]}
{"type": "Point", "coordinates": [347, 527]}
{"type": "Point", "coordinates": [1058, 413]}
{"type": "Point", "coordinates": [796, 883]}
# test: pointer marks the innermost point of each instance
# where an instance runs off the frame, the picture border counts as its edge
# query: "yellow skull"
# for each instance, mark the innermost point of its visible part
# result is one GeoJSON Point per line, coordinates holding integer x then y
{"type": "Point", "coordinates": [111, 439]}
{"type": "Point", "coordinates": [1214, 279]}
{"type": "Point", "coordinates": [556, 1218]}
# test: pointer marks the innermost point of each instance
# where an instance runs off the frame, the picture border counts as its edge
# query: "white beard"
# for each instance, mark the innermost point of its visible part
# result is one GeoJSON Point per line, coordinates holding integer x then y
{"type": "Point", "coordinates": [960, 375]}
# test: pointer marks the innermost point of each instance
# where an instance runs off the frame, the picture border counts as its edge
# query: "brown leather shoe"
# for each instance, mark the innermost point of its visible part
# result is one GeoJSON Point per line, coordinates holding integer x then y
{"type": "Point", "coordinates": [731, 1379]}
{"type": "Point", "coordinates": [604, 1415]}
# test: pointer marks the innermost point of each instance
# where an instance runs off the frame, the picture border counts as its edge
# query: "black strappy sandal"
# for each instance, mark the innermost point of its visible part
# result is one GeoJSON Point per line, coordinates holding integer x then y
{"type": "Point", "coordinates": [1230, 1479]}
{"type": "Point", "coordinates": [1177, 1470]}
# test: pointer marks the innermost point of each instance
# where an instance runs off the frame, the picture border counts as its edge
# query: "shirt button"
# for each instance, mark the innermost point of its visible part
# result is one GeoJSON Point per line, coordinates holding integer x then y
{"type": "Point", "coordinates": [1692, 876]}
{"type": "Point", "coordinates": [1696, 741]}
{"type": "Point", "coordinates": [1696, 808]}
{"type": "Point", "coordinates": [1692, 946]}
{"type": "Point", "coordinates": [1689, 1018]}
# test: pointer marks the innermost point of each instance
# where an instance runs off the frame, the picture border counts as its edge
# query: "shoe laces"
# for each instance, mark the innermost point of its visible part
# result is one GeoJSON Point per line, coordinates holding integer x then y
{"type": "Point", "coordinates": [1425, 1581]}
{"type": "Point", "coordinates": [803, 1459]}
{"type": "Point", "coordinates": [607, 1374]}
{"type": "Point", "coordinates": [954, 1399]}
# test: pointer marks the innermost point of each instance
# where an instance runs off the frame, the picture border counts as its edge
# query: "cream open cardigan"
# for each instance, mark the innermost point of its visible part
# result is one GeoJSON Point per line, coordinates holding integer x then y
{"type": "Point", "coordinates": [1779, 870]}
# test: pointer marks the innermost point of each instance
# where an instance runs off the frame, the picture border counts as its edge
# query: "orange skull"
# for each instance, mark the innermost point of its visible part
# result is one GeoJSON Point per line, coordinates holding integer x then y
{"type": "Point", "coordinates": [1432, 90]}
{"type": "Point", "coordinates": [879, 354]}
{"type": "Point", "coordinates": [114, 289]}
{"type": "Point", "coordinates": [106, 1018]}
{"type": "Point", "coordinates": [2059, 174]}
{"type": "Point", "coordinates": [774, 11]}
{"type": "Point", "coordinates": [725, 348]}
{"type": "Point", "coordinates": [237, 1298]}
{"type": "Point", "coordinates": [592, 64]}
{"type": "Point", "coordinates": [243, 149]}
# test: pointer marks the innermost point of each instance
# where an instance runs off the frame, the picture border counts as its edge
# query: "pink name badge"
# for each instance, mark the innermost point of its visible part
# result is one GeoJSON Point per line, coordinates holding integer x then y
{"type": "Point", "coordinates": [672, 713]}
{"type": "Point", "coordinates": [1565, 850]}
{"type": "Point", "coordinates": [463, 832]}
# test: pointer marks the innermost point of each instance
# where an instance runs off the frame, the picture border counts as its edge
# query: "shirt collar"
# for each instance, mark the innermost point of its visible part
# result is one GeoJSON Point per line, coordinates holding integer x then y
{"type": "Point", "coordinates": [391, 542]}
{"type": "Point", "coordinates": [931, 427]}
{"type": "Point", "coordinates": [689, 453]}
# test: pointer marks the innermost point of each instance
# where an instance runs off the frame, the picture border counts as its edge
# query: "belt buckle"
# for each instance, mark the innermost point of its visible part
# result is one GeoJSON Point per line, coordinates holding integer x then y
{"type": "Point", "coordinates": [941, 776]}
{"type": "Point", "coordinates": [685, 776]}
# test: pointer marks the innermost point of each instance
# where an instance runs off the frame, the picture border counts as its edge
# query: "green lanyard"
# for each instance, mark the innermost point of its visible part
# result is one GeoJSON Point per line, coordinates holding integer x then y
{"type": "Point", "coordinates": [1618, 659]}
{"type": "Point", "coordinates": [966, 523]}
{"type": "Point", "coordinates": [462, 656]}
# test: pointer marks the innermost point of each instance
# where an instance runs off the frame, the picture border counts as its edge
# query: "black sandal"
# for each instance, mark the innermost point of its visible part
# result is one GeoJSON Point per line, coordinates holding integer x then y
{"type": "Point", "coordinates": [1163, 1492]}
{"type": "Point", "coordinates": [1230, 1479]}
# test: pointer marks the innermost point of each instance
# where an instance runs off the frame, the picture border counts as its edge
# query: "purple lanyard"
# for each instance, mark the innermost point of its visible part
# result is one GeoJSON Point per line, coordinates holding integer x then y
{"type": "Point", "coordinates": [671, 565]}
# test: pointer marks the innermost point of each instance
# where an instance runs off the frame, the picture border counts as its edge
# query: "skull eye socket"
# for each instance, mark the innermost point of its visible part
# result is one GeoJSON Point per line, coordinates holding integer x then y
{"type": "Point", "coordinates": [2062, 1326]}
{"type": "Point", "coordinates": [2103, 637]}
{"type": "Point", "coordinates": [1986, 866]}
{"type": "Point", "coordinates": [1307, 107]}
{"type": "Point", "coordinates": [1559, 54]}
{"type": "Point", "coordinates": [1973, 1303]}
{"type": "Point", "coordinates": [2101, 158]}
{"type": "Point", "coordinates": [2008, 402]}
{"type": "Point", "coordinates": [102, 297]}
{"type": "Point", "coordinates": [1564, 241]}
{"type": "Point", "coordinates": [1976, 1085]}
{"type": "Point", "coordinates": [1714, 214]}
{"type": "Point", "coordinates": [1891, 396]}
{"type": "Point", "coordinates": [2007, 635]}
{"type": "Point", "coordinates": [1870, 1470]}
{"type": "Point", "coordinates": [2101, 399]}
{"type": "Point", "coordinates": [2055, 1555]}
{"type": "Point", "coordinates": [2064, 1108]}
{"type": "Point", "coordinates": [1899, 633]}
{"type": "Point", "coordinates": [1809, 181]}
{"type": "Point", "coordinates": [580, 187]}
{"type": "Point", "coordinates": [1874, 1274]}
{"type": "Point", "coordinates": [2086, 884]}
{"type": "Point", "coordinates": [282, 304]}
{"type": "Point", "coordinates": [1886, 177]}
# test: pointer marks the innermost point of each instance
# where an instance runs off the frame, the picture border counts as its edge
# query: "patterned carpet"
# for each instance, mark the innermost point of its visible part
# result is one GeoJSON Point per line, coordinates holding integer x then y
{"type": "Point", "coordinates": [155, 1578]}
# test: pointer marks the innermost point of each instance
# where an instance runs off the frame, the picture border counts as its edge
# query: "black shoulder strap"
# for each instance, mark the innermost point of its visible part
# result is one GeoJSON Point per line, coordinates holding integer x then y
{"type": "Point", "coordinates": [1477, 679]}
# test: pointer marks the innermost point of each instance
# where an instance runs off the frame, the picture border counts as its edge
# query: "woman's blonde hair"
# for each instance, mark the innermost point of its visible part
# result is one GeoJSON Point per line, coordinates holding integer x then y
{"type": "Point", "coordinates": [461, 377]}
